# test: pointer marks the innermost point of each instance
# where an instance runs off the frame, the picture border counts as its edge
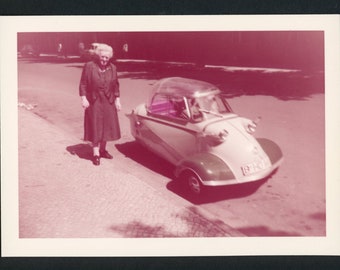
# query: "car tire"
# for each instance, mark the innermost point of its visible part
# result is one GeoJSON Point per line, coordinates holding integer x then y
{"type": "Point", "coordinates": [193, 184]}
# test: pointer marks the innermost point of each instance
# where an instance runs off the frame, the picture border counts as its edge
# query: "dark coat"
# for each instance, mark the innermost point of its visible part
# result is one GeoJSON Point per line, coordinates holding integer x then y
{"type": "Point", "coordinates": [88, 84]}
{"type": "Point", "coordinates": [100, 119]}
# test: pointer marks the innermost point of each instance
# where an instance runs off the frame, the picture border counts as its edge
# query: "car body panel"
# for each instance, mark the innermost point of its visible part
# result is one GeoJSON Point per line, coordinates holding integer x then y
{"type": "Point", "coordinates": [181, 140]}
{"type": "Point", "coordinates": [219, 147]}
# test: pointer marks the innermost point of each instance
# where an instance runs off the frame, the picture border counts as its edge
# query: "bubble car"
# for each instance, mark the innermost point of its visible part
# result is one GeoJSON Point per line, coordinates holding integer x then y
{"type": "Point", "coordinates": [191, 125]}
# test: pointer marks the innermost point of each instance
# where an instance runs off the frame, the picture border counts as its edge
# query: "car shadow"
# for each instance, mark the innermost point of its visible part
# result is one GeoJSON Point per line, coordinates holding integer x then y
{"type": "Point", "coordinates": [215, 194]}
{"type": "Point", "coordinates": [82, 150]}
{"type": "Point", "coordinates": [146, 158]}
{"type": "Point", "coordinates": [151, 161]}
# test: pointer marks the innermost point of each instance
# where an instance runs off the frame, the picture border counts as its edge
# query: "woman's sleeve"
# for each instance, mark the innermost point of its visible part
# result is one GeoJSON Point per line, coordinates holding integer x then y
{"type": "Point", "coordinates": [83, 81]}
{"type": "Point", "coordinates": [116, 91]}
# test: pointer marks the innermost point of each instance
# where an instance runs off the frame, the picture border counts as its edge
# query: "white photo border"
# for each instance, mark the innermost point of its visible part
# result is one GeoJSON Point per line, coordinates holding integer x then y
{"type": "Point", "coordinates": [13, 246]}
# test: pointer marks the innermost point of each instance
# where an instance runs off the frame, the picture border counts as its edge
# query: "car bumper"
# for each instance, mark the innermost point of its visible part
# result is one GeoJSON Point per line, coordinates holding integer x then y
{"type": "Point", "coordinates": [250, 178]}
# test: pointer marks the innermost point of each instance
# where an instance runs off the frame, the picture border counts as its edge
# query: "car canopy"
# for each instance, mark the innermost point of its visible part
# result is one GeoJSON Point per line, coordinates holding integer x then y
{"type": "Point", "coordinates": [177, 86]}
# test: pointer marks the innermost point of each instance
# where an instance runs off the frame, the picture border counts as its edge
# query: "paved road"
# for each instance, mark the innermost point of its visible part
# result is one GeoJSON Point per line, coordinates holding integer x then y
{"type": "Point", "coordinates": [61, 195]}
{"type": "Point", "coordinates": [292, 202]}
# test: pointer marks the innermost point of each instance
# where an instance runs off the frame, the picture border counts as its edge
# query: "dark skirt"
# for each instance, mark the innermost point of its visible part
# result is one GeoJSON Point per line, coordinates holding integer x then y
{"type": "Point", "coordinates": [101, 121]}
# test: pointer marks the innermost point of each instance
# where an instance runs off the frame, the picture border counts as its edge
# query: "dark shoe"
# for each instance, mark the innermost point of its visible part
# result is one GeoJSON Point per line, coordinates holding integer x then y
{"type": "Point", "coordinates": [105, 154]}
{"type": "Point", "coordinates": [96, 160]}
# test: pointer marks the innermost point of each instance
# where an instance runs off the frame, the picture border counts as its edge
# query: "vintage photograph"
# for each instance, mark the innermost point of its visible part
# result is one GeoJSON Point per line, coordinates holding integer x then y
{"type": "Point", "coordinates": [194, 134]}
{"type": "Point", "coordinates": [181, 134]}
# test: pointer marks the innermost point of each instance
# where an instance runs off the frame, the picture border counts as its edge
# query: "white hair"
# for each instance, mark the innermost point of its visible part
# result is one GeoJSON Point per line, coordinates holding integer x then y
{"type": "Point", "coordinates": [104, 48]}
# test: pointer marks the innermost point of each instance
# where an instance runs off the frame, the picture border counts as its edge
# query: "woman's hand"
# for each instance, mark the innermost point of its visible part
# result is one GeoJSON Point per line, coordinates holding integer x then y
{"type": "Point", "coordinates": [117, 103]}
{"type": "Point", "coordinates": [84, 102]}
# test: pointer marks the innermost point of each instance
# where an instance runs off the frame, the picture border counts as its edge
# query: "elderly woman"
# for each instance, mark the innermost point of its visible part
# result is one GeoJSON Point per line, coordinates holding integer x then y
{"type": "Point", "coordinates": [99, 92]}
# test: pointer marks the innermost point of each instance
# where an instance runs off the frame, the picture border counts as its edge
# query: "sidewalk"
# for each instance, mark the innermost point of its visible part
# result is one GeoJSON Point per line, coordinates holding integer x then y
{"type": "Point", "coordinates": [64, 196]}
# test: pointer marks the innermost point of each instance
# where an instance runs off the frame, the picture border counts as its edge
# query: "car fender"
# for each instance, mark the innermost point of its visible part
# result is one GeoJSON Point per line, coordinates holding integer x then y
{"type": "Point", "coordinates": [135, 122]}
{"type": "Point", "coordinates": [206, 166]}
{"type": "Point", "coordinates": [272, 150]}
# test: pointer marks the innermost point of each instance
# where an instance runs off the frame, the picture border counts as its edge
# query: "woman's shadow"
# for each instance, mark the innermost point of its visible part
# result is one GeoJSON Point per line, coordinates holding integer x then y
{"type": "Point", "coordinates": [82, 150]}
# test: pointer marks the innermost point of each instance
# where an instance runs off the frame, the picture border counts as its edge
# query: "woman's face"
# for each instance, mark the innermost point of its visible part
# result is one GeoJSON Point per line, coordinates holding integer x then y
{"type": "Point", "coordinates": [104, 58]}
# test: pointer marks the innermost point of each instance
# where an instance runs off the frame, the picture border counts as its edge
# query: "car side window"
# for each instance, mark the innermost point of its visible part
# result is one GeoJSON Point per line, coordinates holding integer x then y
{"type": "Point", "coordinates": [160, 105]}
{"type": "Point", "coordinates": [168, 106]}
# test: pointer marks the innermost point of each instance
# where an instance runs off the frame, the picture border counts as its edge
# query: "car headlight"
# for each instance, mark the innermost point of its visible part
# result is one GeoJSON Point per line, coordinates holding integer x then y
{"type": "Point", "coordinates": [250, 125]}
{"type": "Point", "coordinates": [223, 135]}
{"type": "Point", "coordinates": [251, 128]}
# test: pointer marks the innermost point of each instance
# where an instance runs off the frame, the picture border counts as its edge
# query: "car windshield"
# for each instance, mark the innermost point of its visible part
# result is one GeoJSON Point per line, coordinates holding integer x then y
{"type": "Point", "coordinates": [201, 108]}
{"type": "Point", "coordinates": [210, 106]}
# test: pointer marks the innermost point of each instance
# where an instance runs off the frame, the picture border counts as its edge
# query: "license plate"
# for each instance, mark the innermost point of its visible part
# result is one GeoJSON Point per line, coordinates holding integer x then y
{"type": "Point", "coordinates": [253, 167]}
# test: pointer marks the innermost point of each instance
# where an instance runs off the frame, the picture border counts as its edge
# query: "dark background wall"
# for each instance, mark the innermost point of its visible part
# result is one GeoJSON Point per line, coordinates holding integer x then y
{"type": "Point", "coordinates": [277, 49]}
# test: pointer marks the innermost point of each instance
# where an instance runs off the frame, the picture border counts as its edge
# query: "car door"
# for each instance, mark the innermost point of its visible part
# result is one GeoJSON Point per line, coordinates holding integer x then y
{"type": "Point", "coordinates": [169, 131]}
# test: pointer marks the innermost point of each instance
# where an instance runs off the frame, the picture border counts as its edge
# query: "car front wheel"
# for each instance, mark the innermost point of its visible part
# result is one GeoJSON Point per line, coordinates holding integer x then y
{"type": "Point", "coordinates": [193, 184]}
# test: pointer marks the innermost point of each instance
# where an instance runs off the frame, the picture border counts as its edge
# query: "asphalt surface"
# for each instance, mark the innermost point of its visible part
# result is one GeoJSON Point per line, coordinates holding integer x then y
{"type": "Point", "coordinates": [291, 203]}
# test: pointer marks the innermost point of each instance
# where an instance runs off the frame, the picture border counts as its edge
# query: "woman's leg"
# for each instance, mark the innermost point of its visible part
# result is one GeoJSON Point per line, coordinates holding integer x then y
{"type": "Point", "coordinates": [102, 146]}
{"type": "Point", "coordinates": [103, 152]}
{"type": "Point", "coordinates": [96, 155]}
